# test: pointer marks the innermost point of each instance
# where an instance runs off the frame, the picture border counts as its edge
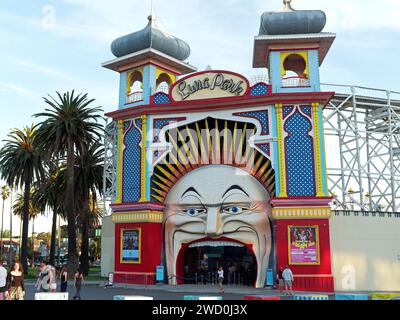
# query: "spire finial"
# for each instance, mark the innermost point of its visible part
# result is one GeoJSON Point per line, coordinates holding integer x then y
{"type": "Point", "coordinates": [288, 6]}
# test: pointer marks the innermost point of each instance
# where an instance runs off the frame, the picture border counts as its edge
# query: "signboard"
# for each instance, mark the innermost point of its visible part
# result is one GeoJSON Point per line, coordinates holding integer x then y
{"type": "Point", "coordinates": [304, 245]}
{"type": "Point", "coordinates": [160, 274]}
{"type": "Point", "coordinates": [131, 246]}
{"type": "Point", "coordinates": [269, 280]}
{"type": "Point", "coordinates": [210, 85]}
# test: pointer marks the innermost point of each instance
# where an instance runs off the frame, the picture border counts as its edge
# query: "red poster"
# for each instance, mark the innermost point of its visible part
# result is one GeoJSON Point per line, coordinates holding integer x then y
{"type": "Point", "coordinates": [304, 245]}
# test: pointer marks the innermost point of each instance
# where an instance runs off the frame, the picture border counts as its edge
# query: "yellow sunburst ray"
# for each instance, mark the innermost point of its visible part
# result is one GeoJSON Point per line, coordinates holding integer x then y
{"type": "Point", "coordinates": [209, 143]}
{"type": "Point", "coordinates": [159, 199]}
{"type": "Point", "coordinates": [177, 174]}
{"type": "Point", "coordinates": [161, 193]}
{"type": "Point", "coordinates": [216, 145]}
{"type": "Point", "coordinates": [181, 170]}
{"type": "Point", "coordinates": [188, 152]}
{"type": "Point", "coordinates": [239, 151]}
{"type": "Point", "coordinates": [260, 172]}
{"type": "Point", "coordinates": [162, 186]}
{"type": "Point", "coordinates": [182, 158]}
{"type": "Point", "coordinates": [266, 175]}
{"type": "Point", "coordinates": [225, 147]}
{"type": "Point", "coordinates": [233, 144]}
{"type": "Point", "coordinates": [204, 155]}
{"type": "Point", "coordinates": [195, 149]}
{"type": "Point", "coordinates": [167, 174]}
{"type": "Point", "coordinates": [167, 182]}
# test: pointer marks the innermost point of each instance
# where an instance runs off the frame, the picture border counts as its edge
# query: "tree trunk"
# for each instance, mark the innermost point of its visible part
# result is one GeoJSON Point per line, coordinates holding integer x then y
{"type": "Point", "coordinates": [53, 238]}
{"type": "Point", "coordinates": [25, 224]}
{"type": "Point", "coordinates": [11, 229]}
{"type": "Point", "coordinates": [1, 241]}
{"type": "Point", "coordinates": [85, 237]}
{"type": "Point", "coordinates": [73, 262]}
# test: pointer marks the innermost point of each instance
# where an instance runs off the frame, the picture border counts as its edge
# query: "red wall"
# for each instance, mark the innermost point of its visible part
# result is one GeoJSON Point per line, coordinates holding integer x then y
{"type": "Point", "coordinates": [151, 242]}
{"type": "Point", "coordinates": [324, 243]}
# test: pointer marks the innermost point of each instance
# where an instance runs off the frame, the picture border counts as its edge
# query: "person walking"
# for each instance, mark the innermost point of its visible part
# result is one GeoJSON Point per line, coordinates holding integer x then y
{"type": "Point", "coordinates": [287, 275]}
{"type": "Point", "coordinates": [3, 279]}
{"type": "Point", "coordinates": [221, 279]}
{"type": "Point", "coordinates": [64, 279]}
{"type": "Point", "coordinates": [15, 283]}
{"type": "Point", "coordinates": [281, 281]}
{"type": "Point", "coordinates": [45, 278]}
{"type": "Point", "coordinates": [53, 278]}
{"type": "Point", "coordinates": [78, 282]}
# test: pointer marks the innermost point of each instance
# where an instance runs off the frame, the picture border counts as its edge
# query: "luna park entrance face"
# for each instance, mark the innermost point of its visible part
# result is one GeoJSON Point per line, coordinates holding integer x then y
{"type": "Point", "coordinates": [202, 263]}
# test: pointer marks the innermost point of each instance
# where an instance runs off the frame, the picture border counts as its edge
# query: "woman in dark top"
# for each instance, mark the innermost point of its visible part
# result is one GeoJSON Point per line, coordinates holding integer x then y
{"type": "Point", "coordinates": [64, 279]}
{"type": "Point", "coordinates": [78, 280]}
{"type": "Point", "coordinates": [15, 283]}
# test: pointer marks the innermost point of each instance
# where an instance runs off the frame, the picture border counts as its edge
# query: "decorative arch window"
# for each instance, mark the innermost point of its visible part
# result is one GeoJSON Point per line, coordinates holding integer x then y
{"type": "Point", "coordinates": [295, 69]}
{"type": "Point", "coordinates": [134, 90]}
{"type": "Point", "coordinates": [164, 82]}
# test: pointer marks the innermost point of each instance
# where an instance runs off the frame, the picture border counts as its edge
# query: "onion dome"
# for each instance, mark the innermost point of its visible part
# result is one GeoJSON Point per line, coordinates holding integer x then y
{"type": "Point", "coordinates": [151, 38]}
{"type": "Point", "coordinates": [290, 21]}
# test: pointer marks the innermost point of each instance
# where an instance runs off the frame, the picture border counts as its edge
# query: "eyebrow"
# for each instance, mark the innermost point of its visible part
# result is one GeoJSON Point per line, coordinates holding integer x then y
{"type": "Point", "coordinates": [191, 189]}
{"type": "Point", "coordinates": [235, 188]}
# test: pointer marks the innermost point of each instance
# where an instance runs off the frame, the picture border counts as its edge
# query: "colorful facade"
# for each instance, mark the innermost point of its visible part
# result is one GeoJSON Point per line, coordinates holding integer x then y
{"type": "Point", "coordinates": [215, 170]}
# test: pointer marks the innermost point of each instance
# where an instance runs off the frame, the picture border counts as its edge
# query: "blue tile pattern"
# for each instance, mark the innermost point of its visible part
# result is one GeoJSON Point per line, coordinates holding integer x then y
{"type": "Point", "coordinates": [299, 156]}
{"type": "Point", "coordinates": [259, 89]}
{"type": "Point", "coordinates": [132, 163]}
{"type": "Point", "coordinates": [161, 98]}
{"type": "Point", "coordinates": [261, 116]}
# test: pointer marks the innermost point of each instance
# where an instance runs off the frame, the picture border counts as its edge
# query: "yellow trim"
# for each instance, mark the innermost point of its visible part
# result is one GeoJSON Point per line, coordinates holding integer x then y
{"type": "Point", "coordinates": [134, 217]}
{"type": "Point", "coordinates": [318, 247]}
{"type": "Point", "coordinates": [281, 152]}
{"type": "Point", "coordinates": [120, 160]}
{"type": "Point", "coordinates": [172, 76]}
{"type": "Point", "coordinates": [129, 79]}
{"type": "Point", "coordinates": [303, 213]}
{"type": "Point", "coordinates": [317, 151]}
{"type": "Point", "coordinates": [303, 54]}
{"type": "Point", "coordinates": [140, 246]}
{"type": "Point", "coordinates": [323, 145]}
{"type": "Point", "coordinates": [144, 160]}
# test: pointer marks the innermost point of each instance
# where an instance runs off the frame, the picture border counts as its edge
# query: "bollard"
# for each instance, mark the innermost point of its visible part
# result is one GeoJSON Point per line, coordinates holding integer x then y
{"type": "Point", "coordinates": [133, 298]}
{"type": "Point", "coordinates": [351, 297]}
{"type": "Point", "coordinates": [51, 296]}
{"type": "Point", "coordinates": [204, 298]}
{"type": "Point", "coordinates": [385, 296]}
{"type": "Point", "coordinates": [311, 297]}
{"type": "Point", "coordinates": [263, 298]}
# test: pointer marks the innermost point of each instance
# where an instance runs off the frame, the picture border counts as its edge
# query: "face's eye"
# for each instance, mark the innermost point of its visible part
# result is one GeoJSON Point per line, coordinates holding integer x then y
{"type": "Point", "coordinates": [234, 210]}
{"type": "Point", "coordinates": [193, 212]}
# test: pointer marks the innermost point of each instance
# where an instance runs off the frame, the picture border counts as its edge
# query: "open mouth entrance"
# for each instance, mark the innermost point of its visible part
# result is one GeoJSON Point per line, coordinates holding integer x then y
{"type": "Point", "coordinates": [202, 261]}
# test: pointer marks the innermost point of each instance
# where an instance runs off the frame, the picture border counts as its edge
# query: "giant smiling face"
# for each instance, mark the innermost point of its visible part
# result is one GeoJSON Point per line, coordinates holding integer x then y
{"type": "Point", "coordinates": [217, 203]}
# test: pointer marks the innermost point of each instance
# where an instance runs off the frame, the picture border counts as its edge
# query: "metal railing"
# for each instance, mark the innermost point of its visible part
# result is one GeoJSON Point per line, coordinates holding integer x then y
{"type": "Point", "coordinates": [134, 97]}
{"type": "Point", "coordinates": [291, 82]}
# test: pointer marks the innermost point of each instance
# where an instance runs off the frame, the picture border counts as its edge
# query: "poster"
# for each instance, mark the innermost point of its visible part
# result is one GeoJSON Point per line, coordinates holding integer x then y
{"type": "Point", "coordinates": [130, 246]}
{"type": "Point", "coordinates": [304, 245]}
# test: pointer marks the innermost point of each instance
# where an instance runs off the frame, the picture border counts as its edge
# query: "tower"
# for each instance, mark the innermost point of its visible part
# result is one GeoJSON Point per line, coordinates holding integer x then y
{"type": "Point", "coordinates": [292, 46]}
{"type": "Point", "coordinates": [148, 61]}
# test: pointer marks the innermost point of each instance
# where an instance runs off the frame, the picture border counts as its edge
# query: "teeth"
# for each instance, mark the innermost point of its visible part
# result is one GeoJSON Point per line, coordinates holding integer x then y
{"type": "Point", "coordinates": [216, 244]}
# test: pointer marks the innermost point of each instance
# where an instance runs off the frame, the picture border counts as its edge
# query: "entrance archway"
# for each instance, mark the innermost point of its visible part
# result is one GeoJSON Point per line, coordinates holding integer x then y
{"type": "Point", "coordinates": [202, 262]}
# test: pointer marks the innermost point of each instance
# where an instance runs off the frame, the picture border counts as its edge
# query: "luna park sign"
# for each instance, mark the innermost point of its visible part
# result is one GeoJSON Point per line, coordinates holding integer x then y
{"type": "Point", "coordinates": [210, 85]}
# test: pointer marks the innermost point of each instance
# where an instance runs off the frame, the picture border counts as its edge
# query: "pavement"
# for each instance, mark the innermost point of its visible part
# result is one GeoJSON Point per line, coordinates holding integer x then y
{"type": "Point", "coordinates": [95, 290]}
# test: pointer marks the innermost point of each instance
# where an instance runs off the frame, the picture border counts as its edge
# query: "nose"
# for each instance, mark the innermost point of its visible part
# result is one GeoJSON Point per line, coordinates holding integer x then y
{"type": "Point", "coordinates": [214, 222]}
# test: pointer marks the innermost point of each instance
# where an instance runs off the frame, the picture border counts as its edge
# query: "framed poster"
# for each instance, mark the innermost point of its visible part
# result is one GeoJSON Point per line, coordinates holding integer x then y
{"type": "Point", "coordinates": [131, 246]}
{"type": "Point", "coordinates": [304, 245]}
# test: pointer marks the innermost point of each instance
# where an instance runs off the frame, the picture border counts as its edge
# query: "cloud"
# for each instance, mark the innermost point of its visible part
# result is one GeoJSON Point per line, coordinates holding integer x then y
{"type": "Point", "coordinates": [7, 87]}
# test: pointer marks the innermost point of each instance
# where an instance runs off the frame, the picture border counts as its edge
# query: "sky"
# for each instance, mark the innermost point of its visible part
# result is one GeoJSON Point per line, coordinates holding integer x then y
{"type": "Point", "coordinates": [59, 45]}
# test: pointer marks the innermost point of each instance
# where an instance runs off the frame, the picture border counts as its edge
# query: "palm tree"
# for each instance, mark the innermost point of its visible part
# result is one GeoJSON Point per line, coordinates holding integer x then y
{"type": "Point", "coordinates": [34, 211]}
{"type": "Point", "coordinates": [50, 193]}
{"type": "Point", "coordinates": [5, 193]}
{"type": "Point", "coordinates": [70, 125]}
{"type": "Point", "coordinates": [89, 182]}
{"type": "Point", "coordinates": [20, 165]}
